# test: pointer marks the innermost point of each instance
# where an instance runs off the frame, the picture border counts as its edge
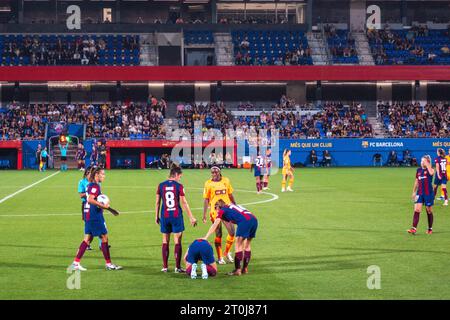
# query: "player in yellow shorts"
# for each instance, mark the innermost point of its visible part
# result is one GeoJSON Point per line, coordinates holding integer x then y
{"type": "Point", "coordinates": [219, 188]}
{"type": "Point", "coordinates": [287, 172]}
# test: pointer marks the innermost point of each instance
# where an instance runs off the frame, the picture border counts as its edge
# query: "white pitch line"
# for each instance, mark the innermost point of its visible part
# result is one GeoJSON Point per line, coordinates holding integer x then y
{"type": "Point", "coordinates": [28, 187]}
{"type": "Point", "coordinates": [273, 198]}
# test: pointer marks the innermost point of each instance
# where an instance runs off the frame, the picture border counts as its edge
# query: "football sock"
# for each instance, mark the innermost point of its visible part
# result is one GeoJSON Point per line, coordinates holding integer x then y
{"type": "Point", "coordinates": [258, 186]}
{"type": "Point", "coordinates": [211, 271]}
{"type": "Point", "coordinates": [435, 190]}
{"type": "Point", "coordinates": [430, 220]}
{"type": "Point", "coordinates": [165, 254]}
{"type": "Point", "coordinates": [291, 181]}
{"type": "Point", "coordinates": [283, 184]}
{"type": "Point", "coordinates": [188, 270]}
{"type": "Point", "coordinates": [230, 240]}
{"type": "Point", "coordinates": [266, 184]}
{"type": "Point", "coordinates": [238, 256]}
{"type": "Point", "coordinates": [444, 190]}
{"type": "Point", "coordinates": [81, 250]}
{"type": "Point", "coordinates": [178, 250]}
{"type": "Point", "coordinates": [218, 244]}
{"type": "Point", "coordinates": [105, 250]}
{"type": "Point", "coordinates": [416, 219]}
{"type": "Point", "coordinates": [247, 256]}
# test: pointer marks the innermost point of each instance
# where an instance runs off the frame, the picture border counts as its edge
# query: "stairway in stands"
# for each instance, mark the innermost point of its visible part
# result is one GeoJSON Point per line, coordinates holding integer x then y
{"type": "Point", "coordinates": [148, 50]}
{"type": "Point", "coordinates": [224, 49]}
{"type": "Point", "coordinates": [379, 131]}
{"type": "Point", "coordinates": [71, 157]}
{"type": "Point", "coordinates": [319, 48]}
{"type": "Point", "coordinates": [363, 49]}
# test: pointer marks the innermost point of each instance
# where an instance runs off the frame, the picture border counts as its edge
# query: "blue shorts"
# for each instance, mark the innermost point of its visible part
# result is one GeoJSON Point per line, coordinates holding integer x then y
{"type": "Point", "coordinates": [438, 181]}
{"type": "Point", "coordinates": [200, 250]}
{"type": "Point", "coordinates": [172, 225]}
{"type": "Point", "coordinates": [426, 200]}
{"type": "Point", "coordinates": [258, 172]}
{"type": "Point", "coordinates": [95, 228]}
{"type": "Point", "coordinates": [247, 229]}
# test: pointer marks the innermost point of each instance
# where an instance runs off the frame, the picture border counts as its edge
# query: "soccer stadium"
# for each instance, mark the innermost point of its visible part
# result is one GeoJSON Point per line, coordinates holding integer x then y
{"type": "Point", "coordinates": [224, 149]}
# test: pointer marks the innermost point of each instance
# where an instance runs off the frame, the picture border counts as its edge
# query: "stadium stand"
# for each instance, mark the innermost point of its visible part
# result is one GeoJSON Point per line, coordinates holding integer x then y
{"type": "Point", "coordinates": [271, 48]}
{"type": "Point", "coordinates": [341, 45]}
{"type": "Point", "coordinates": [416, 46]}
{"type": "Point", "coordinates": [198, 37]}
{"type": "Point", "coordinates": [416, 121]}
{"type": "Point", "coordinates": [69, 49]}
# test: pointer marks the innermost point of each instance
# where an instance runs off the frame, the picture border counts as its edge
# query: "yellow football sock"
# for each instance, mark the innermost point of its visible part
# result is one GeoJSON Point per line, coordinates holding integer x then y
{"type": "Point", "coordinates": [291, 181]}
{"type": "Point", "coordinates": [218, 244]}
{"type": "Point", "coordinates": [283, 184]}
{"type": "Point", "coordinates": [230, 240]}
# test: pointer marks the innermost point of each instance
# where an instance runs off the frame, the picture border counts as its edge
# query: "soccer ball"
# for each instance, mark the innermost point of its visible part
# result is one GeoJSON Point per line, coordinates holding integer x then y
{"type": "Point", "coordinates": [103, 199]}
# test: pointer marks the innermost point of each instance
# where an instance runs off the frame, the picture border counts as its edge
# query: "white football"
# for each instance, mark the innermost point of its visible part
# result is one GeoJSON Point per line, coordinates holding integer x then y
{"type": "Point", "coordinates": [103, 198]}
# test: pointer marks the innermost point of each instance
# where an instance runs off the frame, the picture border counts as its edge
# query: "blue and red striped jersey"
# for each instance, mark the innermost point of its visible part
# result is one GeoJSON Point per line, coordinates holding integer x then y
{"type": "Point", "coordinates": [92, 212]}
{"type": "Point", "coordinates": [441, 164]}
{"type": "Point", "coordinates": [425, 181]}
{"type": "Point", "coordinates": [170, 192]}
{"type": "Point", "coordinates": [235, 214]}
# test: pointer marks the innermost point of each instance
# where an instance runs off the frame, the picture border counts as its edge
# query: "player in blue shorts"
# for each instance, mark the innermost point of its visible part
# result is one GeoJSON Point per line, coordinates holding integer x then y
{"type": "Point", "coordinates": [246, 230]}
{"type": "Point", "coordinates": [440, 179]}
{"type": "Point", "coordinates": [170, 197]}
{"type": "Point", "coordinates": [200, 249]}
{"type": "Point", "coordinates": [423, 194]}
{"type": "Point", "coordinates": [258, 167]}
{"type": "Point", "coordinates": [82, 188]}
{"type": "Point", "coordinates": [266, 170]}
{"type": "Point", "coordinates": [94, 222]}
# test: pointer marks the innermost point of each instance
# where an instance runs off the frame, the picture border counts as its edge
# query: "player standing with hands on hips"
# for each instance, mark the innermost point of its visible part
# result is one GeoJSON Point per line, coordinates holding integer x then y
{"type": "Point", "coordinates": [169, 195]}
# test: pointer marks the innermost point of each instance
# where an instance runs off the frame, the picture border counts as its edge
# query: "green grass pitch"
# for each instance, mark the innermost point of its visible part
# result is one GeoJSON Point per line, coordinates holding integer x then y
{"type": "Point", "coordinates": [314, 243]}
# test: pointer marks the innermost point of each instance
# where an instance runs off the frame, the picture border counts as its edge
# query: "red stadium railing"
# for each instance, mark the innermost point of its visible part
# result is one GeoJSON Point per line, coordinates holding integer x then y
{"type": "Point", "coordinates": [228, 73]}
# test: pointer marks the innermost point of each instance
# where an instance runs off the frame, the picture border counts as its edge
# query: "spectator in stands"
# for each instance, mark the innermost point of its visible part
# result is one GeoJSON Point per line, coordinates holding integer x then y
{"type": "Point", "coordinates": [326, 158]}
{"type": "Point", "coordinates": [313, 157]}
{"type": "Point", "coordinates": [392, 159]}
{"type": "Point", "coordinates": [407, 159]}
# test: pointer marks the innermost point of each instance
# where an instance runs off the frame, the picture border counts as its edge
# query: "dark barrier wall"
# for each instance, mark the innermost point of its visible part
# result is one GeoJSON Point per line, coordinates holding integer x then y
{"type": "Point", "coordinates": [29, 148]}
{"type": "Point", "coordinates": [8, 159]}
{"type": "Point", "coordinates": [360, 152]}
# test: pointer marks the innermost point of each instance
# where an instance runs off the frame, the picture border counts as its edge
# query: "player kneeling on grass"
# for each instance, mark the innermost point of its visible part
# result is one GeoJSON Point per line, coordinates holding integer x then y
{"type": "Point", "coordinates": [246, 230]}
{"type": "Point", "coordinates": [200, 249]}
{"type": "Point", "coordinates": [169, 196]}
{"type": "Point", "coordinates": [423, 194]}
{"type": "Point", "coordinates": [94, 222]}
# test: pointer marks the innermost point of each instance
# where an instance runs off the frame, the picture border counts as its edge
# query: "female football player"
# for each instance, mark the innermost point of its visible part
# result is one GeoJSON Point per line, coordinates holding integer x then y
{"type": "Point", "coordinates": [247, 224]}
{"type": "Point", "coordinates": [287, 172]}
{"type": "Point", "coordinates": [200, 249]}
{"type": "Point", "coordinates": [440, 178]}
{"type": "Point", "coordinates": [94, 222]}
{"type": "Point", "coordinates": [169, 195]}
{"type": "Point", "coordinates": [423, 194]}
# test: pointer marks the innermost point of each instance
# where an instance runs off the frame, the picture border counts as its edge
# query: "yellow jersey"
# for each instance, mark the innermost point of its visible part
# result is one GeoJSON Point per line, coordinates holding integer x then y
{"type": "Point", "coordinates": [448, 166]}
{"type": "Point", "coordinates": [215, 191]}
{"type": "Point", "coordinates": [286, 165]}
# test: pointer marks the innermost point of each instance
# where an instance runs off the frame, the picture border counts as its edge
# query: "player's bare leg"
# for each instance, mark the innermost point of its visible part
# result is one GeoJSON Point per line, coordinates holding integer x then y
{"type": "Point", "coordinates": [291, 182]}
{"type": "Point", "coordinates": [218, 245]}
{"type": "Point", "coordinates": [430, 220]}
{"type": "Point", "coordinates": [258, 185]}
{"type": "Point", "coordinates": [417, 210]}
{"type": "Point", "coordinates": [266, 182]}
{"type": "Point", "coordinates": [238, 257]}
{"type": "Point", "coordinates": [165, 251]}
{"type": "Point", "coordinates": [283, 183]}
{"type": "Point", "coordinates": [230, 241]}
{"type": "Point", "coordinates": [444, 191]}
{"type": "Point", "coordinates": [106, 254]}
{"type": "Point", "coordinates": [247, 255]}
{"type": "Point", "coordinates": [178, 252]}
{"type": "Point", "coordinates": [81, 250]}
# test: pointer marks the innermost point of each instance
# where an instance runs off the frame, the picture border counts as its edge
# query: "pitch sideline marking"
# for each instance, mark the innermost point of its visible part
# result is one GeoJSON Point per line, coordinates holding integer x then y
{"type": "Point", "coordinates": [273, 198]}
{"type": "Point", "coordinates": [28, 187]}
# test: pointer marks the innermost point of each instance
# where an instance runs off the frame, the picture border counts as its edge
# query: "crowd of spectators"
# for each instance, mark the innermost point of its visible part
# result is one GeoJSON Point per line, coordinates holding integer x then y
{"type": "Point", "coordinates": [341, 44]}
{"type": "Point", "coordinates": [127, 120]}
{"type": "Point", "coordinates": [414, 120]}
{"type": "Point", "coordinates": [56, 50]}
{"type": "Point", "coordinates": [408, 47]}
